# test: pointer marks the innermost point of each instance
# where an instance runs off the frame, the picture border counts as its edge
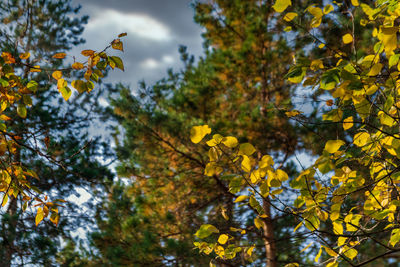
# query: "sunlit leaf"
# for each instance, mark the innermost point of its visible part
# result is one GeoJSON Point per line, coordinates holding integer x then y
{"type": "Point", "coordinates": [39, 216]}
{"type": "Point", "coordinates": [59, 55]}
{"type": "Point", "coordinates": [333, 145]}
{"type": "Point", "coordinates": [197, 133]}
{"type": "Point", "coordinates": [222, 239]}
{"type": "Point", "coordinates": [281, 5]}
{"type": "Point", "coordinates": [347, 38]}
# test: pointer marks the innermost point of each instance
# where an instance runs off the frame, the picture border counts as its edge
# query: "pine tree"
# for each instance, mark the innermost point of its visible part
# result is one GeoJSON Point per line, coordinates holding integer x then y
{"type": "Point", "coordinates": [59, 130]}
{"type": "Point", "coordinates": [237, 88]}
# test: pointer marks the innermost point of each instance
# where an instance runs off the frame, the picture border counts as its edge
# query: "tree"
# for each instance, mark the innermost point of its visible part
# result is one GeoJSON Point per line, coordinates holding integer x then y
{"type": "Point", "coordinates": [45, 150]}
{"type": "Point", "coordinates": [237, 86]}
{"type": "Point", "coordinates": [349, 197]}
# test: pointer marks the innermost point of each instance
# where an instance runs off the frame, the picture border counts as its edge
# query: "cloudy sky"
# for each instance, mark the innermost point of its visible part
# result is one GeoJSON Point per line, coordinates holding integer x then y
{"type": "Point", "coordinates": [155, 30]}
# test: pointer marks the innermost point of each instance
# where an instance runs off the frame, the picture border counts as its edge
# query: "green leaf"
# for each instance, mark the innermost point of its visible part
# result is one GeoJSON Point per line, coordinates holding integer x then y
{"type": "Point", "coordinates": [4, 83]}
{"type": "Point", "coordinates": [246, 149]}
{"type": "Point", "coordinates": [118, 62]}
{"type": "Point", "coordinates": [258, 222]}
{"type": "Point", "coordinates": [329, 79]}
{"type": "Point", "coordinates": [21, 110]}
{"type": "Point", "coordinates": [206, 230]}
{"type": "Point", "coordinates": [395, 237]}
{"type": "Point", "coordinates": [32, 86]}
{"type": "Point", "coordinates": [79, 85]}
{"type": "Point", "coordinates": [65, 92]}
{"type": "Point", "coordinates": [89, 86]}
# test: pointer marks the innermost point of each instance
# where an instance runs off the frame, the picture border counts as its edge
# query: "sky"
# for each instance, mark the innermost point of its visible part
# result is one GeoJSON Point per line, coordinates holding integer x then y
{"type": "Point", "coordinates": [156, 29]}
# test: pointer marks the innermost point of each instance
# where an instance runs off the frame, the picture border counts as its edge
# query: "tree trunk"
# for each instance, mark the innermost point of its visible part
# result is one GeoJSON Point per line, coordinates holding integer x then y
{"type": "Point", "coordinates": [269, 239]}
{"type": "Point", "coordinates": [9, 228]}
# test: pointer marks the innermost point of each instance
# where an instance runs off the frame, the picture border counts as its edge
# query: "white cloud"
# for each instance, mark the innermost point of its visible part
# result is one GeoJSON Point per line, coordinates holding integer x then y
{"type": "Point", "coordinates": [133, 23]}
{"type": "Point", "coordinates": [151, 63]}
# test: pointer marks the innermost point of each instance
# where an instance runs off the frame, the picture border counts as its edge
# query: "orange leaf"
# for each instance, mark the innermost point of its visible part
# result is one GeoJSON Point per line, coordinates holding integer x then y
{"type": "Point", "coordinates": [59, 55]}
{"type": "Point", "coordinates": [117, 44]}
{"type": "Point", "coordinates": [87, 53]}
{"type": "Point", "coordinates": [35, 69]}
{"type": "Point", "coordinates": [25, 55]}
{"type": "Point", "coordinates": [77, 66]}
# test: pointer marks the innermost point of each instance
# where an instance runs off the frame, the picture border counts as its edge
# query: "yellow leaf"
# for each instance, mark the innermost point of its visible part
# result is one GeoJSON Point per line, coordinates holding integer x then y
{"type": "Point", "coordinates": [337, 228]}
{"type": "Point", "coordinates": [375, 70]}
{"type": "Point", "coordinates": [292, 113]}
{"type": "Point", "coordinates": [281, 175]}
{"type": "Point", "coordinates": [258, 222]}
{"type": "Point", "coordinates": [250, 250]}
{"type": "Point", "coordinates": [246, 163]}
{"type": "Point", "coordinates": [348, 123]}
{"type": "Point", "coordinates": [355, 2]}
{"type": "Point", "coordinates": [61, 83]}
{"type": "Point", "coordinates": [395, 237]}
{"type": "Point", "coordinates": [328, 9]}
{"type": "Point", "coordinates": [277, 191]}
{"type": "Point", "coordinates": [266, 161]}
{"type": "Point", "coordinates": [59, 55]}
{"type": "Point", "coordinates": [297, 227]}
{"type": "Point", "coordinates": [333, 145]}
{"type": "Point", "coordinates": [55, 218]}
{"type": "Point", "coordinates": [57, 74]}
{"type": "Point", "coordinates": [77, 66]}
{"type": "Point", "coordinates": [347, 38]}
{"type": "Point", "coordinates": [230, 141]}
{"type": "Point", "coordinates": [255, 176]}
{"type": "Point", "coordinates": [389, 39]}
{"type": "Point", "coordinates": [281, 5]}
{"type": "Point", "coordinates": [290, 16]}
{"type": "Point", "coordinates": [361, 139]}
{"type": "Point", "coordinates": [223, 239]}
{"type": "Point", "coordinates": [350, 252]}
{"type": "Point", "coordinates": [217, 138]}
{"type": "Point", "coordinates": [25, 55]}
{"type": "Point", "coordinates": [330, 252]}
{"type": "Point", "coordinates": [304, 249]}
{"type": "Point", "coordinates": [241, 198]}
{"type": "Point", "coordinates": [321, 46]}
{"type": "Point", "coordinates": [246, 149]}
{"type": "Point", "coordinates": [197, 133]}
{"type": "Point", "coordinates": [39, 216]}
{"type": "Point", "coordinates": [318, 255]}
{"type": "Point", "coordinates": [341, 241]}
{"type": "Point", "coordinates": [287, 29]}
{"type": "Point", "coordinates": [5, 200]}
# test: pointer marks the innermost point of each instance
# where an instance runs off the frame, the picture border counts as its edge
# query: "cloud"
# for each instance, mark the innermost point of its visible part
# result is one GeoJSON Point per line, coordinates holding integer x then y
{"type": "Point", "coordinates": [155, 31]}
{"type": "Point", "coordinates": [133, 23]}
